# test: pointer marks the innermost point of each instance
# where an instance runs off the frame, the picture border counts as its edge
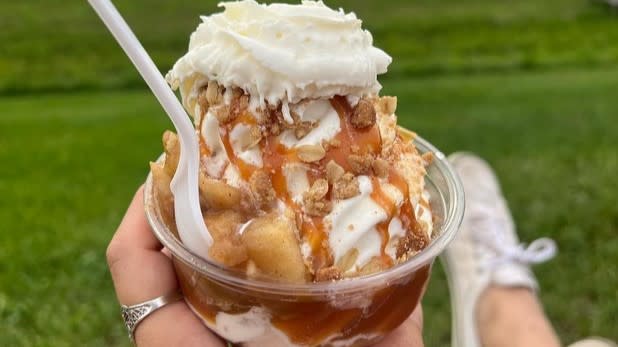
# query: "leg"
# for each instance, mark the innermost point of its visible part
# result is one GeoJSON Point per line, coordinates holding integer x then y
{"type": "Point", "coordinates": [513, 317]}
{"type": "Point", "coordinates": [492, 287]}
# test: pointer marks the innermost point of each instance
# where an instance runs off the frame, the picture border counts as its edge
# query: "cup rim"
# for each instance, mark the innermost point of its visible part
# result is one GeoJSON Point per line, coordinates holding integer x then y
{"type": "Point", "coordinates": [453, 216]}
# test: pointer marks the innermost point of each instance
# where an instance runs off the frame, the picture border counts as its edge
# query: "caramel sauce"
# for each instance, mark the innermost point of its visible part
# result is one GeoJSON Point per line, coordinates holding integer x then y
{"type": "Point", "coordinates": [407, 216]}
{"type": "Point", "coordinates": [393, 304]}
{"type": "Point", "coordinates": [316, 235]}
{"type": "Point", "coordinates": [399, 182]}
{"type": "Point", "coordinates": [310, 320]}
{"type": "Point", "coordinates": [194, 291]}
{"type": "Point", "coordinates": [275, 155]}
{"type": "Point", "coordinates": [389, 206]}
{"type": "Point", "coordinates": [245, 117]}
{"type": "Point", "coordinates": [312, 229]}
{"type": "Point", "coordinates": [348, 141]}
{"type": "Point", "coordinates": [383, 200]}
{"type": "Point", "coordinates": [244, 169]}
{"type": "Point", "coordinates": [204, 150]}
{"type": "Point", "coordinates": [384, 238]}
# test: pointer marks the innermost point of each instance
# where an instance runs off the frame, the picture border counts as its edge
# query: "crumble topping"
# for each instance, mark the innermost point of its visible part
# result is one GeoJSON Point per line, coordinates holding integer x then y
{"type": "Point", "coordinates": [314, 200]}
{"type": "Point", "coordinates": [333, 171]}
{"type": "Point", "coordinates": [380, 167]}
{"type": "Point", "coordinates": [364, 114]}
{"type": "Point", "coordinates": [311, 153]}
{"type": "Point", "coordinates": [360, 163]}
{"type": "Point", "coordinates": [330, 273]}
{"type": "Point", "coordinates": [261, 186]}
{"type": "Point", "coordinates": [250, 210]}
{"type": "Point", "coordinates": [346, 187]}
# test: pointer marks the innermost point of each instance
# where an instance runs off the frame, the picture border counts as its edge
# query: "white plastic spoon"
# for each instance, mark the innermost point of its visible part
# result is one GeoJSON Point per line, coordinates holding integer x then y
{"type": "Point", "coordinates": [189, 219]}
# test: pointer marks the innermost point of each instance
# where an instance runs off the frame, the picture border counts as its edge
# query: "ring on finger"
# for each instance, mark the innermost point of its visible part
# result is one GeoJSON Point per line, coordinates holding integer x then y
{"type": "Point", "coordinates": [135, 314]}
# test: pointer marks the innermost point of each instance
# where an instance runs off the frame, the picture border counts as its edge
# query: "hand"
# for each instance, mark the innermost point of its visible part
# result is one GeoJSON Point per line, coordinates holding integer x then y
{"type": "Point", "coordinates": [141, 271]}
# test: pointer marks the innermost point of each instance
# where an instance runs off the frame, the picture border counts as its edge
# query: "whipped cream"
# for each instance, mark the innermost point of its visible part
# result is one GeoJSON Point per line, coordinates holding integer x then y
{"type": "Point", "coordinates": [240, 139]}
{"type": "Point", "coordinates": [320, 112]}
{"type": "Point", "coordinates": [218, 160]}
{"type": "Point", "coordinates": [353, 225]}
{"type": "Point", "coordinates": [282, 53]}
{"type": "Point", "coordinates": [252, 328]}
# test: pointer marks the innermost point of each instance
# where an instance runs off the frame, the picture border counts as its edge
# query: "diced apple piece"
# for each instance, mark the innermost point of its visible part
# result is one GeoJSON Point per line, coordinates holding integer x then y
{"type": "Point", "coordinates": [162, 193]}
{"type": "Point", "coordinates": [272, 245]}
{"type": "Point", "coordinates": [227, 247]}
{"type": "Point", "coordinates": [172, 152]}
{"type": "Point", "coordinates": [218, 195]}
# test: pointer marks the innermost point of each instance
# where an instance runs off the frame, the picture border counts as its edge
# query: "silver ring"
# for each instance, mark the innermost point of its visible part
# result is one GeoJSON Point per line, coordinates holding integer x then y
{"type": "Point", "coordinates": [134, 314]}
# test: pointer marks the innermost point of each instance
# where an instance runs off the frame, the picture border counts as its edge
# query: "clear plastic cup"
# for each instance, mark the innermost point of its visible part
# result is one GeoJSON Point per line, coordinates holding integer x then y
{"type": "Point", "coordinates": [352, 312]}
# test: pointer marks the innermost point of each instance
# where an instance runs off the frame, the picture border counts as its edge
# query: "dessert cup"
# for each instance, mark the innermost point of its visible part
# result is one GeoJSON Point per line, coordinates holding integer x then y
{"type": "Point", "coordinates": [351, 312]}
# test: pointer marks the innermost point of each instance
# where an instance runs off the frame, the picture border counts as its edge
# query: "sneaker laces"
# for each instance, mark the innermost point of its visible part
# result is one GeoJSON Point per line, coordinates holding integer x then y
{"type": "Point", "coordinates": [489, 232]}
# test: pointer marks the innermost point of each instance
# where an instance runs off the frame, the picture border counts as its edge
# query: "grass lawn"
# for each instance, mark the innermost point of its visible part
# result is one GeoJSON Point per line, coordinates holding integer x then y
{"type": "Point", "coordinates": [72, 162]}
{"type": "Point", "coordinates": [531, 85]}
{"type": "Point", "coordinates": [45, 47]}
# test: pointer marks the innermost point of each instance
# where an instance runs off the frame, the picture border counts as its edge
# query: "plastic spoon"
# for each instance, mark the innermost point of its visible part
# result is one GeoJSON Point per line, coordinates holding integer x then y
{"type": "Point", "coordinates": [184, 186]}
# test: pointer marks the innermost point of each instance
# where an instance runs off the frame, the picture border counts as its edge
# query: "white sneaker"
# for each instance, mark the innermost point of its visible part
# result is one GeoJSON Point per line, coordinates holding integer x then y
{"type": "Point", "coordinates": [593, 342]}
{"type": "Point", "coordinates": [486, 250]}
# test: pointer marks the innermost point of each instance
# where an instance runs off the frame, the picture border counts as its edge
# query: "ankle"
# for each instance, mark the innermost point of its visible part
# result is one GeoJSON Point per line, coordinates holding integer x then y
{"type": "Point", "coordinates": [496, 298]}
{"type": "Point", "coordinates": [514, 312]}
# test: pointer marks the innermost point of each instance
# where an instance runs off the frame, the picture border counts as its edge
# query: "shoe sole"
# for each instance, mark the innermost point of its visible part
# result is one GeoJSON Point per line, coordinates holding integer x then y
{"type": "Point", "coordinates": [594, 342]}
{"type": "Point", "coordinates": [445, 260]}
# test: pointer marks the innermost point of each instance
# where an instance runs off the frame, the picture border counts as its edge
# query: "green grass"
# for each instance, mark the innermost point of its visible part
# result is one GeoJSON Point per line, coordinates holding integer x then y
{"type": "Point", "coordinates": [530, 85]}
{"type": "Point", "coordinates": [65, 47]}
{"type": "Point", "coordinates": [71, 163]}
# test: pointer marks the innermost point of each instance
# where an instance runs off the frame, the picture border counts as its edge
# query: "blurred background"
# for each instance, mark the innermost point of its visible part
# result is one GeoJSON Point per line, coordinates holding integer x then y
{"type": "Point", "coordinates": [531, 85]}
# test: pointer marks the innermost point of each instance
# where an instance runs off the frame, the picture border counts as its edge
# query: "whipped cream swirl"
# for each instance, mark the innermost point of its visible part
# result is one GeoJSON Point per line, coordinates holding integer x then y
{"type": "Point", "coordinates": [282, 53]}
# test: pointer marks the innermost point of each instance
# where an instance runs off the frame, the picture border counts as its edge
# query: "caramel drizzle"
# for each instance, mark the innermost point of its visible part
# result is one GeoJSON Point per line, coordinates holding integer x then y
{"type": "Point", "coordinates": [368, 140]}
{"type": "Point", "coordinates": [391, 209]}
{"type": "Point", "coordinates": [275, 155]}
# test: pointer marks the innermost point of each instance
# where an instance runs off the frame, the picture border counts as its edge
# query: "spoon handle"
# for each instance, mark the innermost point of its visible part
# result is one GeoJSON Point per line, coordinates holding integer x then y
{"type": "Point", "coordinates": [184, 185]}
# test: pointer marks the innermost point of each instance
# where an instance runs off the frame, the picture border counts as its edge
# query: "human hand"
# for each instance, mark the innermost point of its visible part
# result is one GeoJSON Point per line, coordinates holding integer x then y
{"type": "Point", "coordinates": [141, 271]}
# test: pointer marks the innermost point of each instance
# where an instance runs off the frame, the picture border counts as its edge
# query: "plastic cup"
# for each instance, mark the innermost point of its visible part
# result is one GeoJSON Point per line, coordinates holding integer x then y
{"type": "Point", "coordinates": [352, 312]}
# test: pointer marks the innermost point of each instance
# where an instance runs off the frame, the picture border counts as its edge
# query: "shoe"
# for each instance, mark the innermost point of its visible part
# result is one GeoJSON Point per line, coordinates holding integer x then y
{"type": "Point", "coordinates": [486, 250]}
{"type": "Point", "coordinates": [594, 342]}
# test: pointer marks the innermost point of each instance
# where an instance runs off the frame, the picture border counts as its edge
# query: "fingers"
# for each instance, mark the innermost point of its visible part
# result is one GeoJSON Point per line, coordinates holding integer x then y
{"type": "Point", "coordinates": [139, 270]}
{"type": "Point", "coordinates": [134, 231]}
{"type": "Point", "coordinates": [408, 334]}
{"type": "Point", "coordinates": [142, 271]}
